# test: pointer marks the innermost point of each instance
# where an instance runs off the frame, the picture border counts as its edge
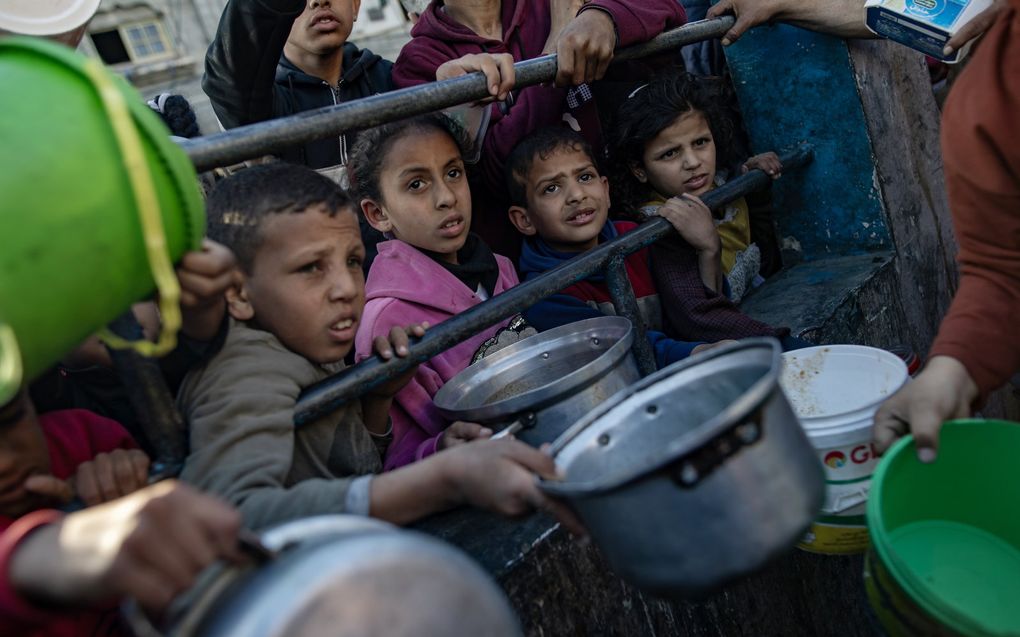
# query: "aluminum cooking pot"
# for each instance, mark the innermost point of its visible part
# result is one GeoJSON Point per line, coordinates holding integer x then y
{"type": "Point", "coordinates": [544, 383]}
{"type": "Point", "coordinates": [696, 475]}
{"type": "Point", "coordinates": [344, 576]}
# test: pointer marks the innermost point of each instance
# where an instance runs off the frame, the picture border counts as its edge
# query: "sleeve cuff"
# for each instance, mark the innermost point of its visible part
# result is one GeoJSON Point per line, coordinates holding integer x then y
{"type": "Point", "coordinates": [359, 496]}
{"type": "Point", "coordinates": [13, 607]}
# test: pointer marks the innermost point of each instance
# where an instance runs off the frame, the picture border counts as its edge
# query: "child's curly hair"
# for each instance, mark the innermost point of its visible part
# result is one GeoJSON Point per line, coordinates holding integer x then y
{"type": "Point", "coordinates": [655, 106]}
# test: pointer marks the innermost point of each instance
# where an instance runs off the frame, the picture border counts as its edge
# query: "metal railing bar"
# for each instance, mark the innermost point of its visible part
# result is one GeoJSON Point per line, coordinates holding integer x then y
{"type": "Point", "coordinates": [263, 138]}
{"type": "Point", "coordinates": [622, 293]}
{"type": "Point", "coordinates": [331, 393]}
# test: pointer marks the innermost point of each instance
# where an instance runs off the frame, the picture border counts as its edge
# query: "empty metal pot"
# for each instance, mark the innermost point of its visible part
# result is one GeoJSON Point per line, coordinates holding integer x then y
{"type": "Point", "coordinates": [545, 382]}
{"type": "Point", "coordinates": [345, 576]}
{"type": "Point", "coordinates": [696, 475]}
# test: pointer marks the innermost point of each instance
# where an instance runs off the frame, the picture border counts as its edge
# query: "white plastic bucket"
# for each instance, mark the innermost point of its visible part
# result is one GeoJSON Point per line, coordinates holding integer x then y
{"type": "Point", "coordinates": [835, 391]}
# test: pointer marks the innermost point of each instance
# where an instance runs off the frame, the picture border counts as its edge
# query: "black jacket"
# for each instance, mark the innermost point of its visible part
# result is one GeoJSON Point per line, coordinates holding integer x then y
{"type": "Point", "coordinates": [248, 79]}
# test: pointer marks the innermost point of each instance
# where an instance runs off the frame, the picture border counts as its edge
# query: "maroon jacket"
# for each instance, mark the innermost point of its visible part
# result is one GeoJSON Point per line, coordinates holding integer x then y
{"type": "Point", "coordinates": [981, 150]}
{"type": "Point", "coordinates": [437, 38]}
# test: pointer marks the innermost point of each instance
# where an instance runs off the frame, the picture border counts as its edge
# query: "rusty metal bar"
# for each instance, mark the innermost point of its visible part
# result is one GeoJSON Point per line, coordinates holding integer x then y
{"type": "Point", "coordinates": [263, 138]}
{"type": "Point", "coordinates": [330, 393]}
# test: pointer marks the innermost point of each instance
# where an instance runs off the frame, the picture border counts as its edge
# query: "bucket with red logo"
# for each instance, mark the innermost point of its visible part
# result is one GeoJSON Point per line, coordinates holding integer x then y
{"type": "Point", "coordinates": [835, 391]}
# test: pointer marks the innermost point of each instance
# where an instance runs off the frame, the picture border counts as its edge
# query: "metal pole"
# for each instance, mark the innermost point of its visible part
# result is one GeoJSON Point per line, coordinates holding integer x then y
{"type": "Point", "coordinates": [162, 425]}
{"type": "Point", "coordinates": [329, 394]}
{"type": "Point", "coordinates": [622, 293]}
{"type": "Point", "coordinates": [255, 140]}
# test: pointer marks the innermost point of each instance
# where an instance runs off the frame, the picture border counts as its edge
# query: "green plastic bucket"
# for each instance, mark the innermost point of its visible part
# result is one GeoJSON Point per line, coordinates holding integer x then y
{"type": "Point", "coordinates": [74, 255]}
{"type": "Point", "coordinates": [945, 536]}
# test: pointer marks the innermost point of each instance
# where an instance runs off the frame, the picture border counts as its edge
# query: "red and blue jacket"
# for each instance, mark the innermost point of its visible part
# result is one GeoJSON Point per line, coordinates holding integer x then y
{"type": "Point", "coordinates": [590, 298]}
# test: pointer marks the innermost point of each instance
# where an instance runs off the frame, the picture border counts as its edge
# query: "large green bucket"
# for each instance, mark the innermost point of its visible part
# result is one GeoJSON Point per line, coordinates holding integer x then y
{"type": "Point", "coordinates": [945, 536]}
{"type": "Point", "coordinates": [73, 251]}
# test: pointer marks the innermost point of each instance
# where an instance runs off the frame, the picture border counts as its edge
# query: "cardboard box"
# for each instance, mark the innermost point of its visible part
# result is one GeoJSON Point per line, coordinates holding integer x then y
{"type": "Point", "coordinates": [925, 25]}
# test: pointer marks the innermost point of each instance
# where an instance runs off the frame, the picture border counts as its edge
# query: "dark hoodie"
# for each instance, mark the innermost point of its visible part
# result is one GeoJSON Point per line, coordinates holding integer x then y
{"type": "Point", "coordinates": [437, 38]}
{"type": "Point", "coordinates": [248, 79]}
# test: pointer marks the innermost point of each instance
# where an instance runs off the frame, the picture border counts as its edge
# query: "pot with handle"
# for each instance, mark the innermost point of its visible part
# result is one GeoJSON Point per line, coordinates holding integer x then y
{"type": "Point", "coordinates": [696, 475]}
{"type": "Point", "coordinates": [542, 384]}
{"type": "Point", "coordinates": [341, 576]}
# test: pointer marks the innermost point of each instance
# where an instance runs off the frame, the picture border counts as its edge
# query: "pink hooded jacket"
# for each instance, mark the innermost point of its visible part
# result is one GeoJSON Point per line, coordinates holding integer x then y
{"type": "Point", "coordinates": [405, 286]}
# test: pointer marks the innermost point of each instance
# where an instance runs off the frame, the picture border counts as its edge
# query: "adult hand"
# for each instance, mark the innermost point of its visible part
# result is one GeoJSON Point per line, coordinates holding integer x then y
{"type": "Point", "coordinates": [497, 67]}
{"type": "Point", "coordinates": [149, 545]}
{"type": "Point", "coordinates": [977, 26]}
{"type": "Point", "coordinates": [748, 14]}
{"type": "Point", "coordinates": [584, 48]}
{"type": "Point", "coordinates": [500, 475]}
{"type": "Point", "coordinates": [943, 391]}
{"type": "Point", "coordinates": [204, 276]}
{"type": "Point", "coordinates": [460, 432]}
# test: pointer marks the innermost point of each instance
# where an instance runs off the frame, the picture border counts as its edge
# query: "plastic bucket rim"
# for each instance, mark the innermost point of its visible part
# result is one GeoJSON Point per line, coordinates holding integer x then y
{"type": "Point", "coordinates": [897, 568]}
{"type": "Point", "coordinates": [818, 424]}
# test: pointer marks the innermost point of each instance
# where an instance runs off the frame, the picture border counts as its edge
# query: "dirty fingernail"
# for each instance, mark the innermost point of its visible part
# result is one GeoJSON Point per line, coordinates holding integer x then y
{"type": "Point", "coordinates": [948, 50]}
{"type": "Point", "coordinates": [926, 455]}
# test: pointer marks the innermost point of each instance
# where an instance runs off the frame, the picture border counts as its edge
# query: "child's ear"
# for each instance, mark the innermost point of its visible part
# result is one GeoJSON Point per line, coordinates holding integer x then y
{"type": "Point", "coordinates": [238, 305]}
{"type": "Point", "coordinates": [376, 216]}
{"type": "Point", "coordinates": [519, 217]}
{"type": "Point", "coordinates": [638, 171]}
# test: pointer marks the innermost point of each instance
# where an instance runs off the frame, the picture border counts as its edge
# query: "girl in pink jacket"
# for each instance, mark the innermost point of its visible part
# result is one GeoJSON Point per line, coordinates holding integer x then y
{"type": "Point", "coordinates": [409, 178]}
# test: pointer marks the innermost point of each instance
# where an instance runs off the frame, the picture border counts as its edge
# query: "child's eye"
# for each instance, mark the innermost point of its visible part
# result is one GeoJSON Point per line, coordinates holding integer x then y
{"type": "Point", "coordinates": [701, 141]}
{"type": "Point", "coordinates": [454, 173]}
{"type": "Point", "coordinates": [354, 262]}
{"type": "Point", "coordinates": [585, 177]}
{"type": "Point", "coordinates": [310, 268]}
{"type": "Point", "coordinates": [669, 154]}
{"type": "Point", "coordinates": [550, 189]}
{"type": "Point", "coordinates": [416, 184]}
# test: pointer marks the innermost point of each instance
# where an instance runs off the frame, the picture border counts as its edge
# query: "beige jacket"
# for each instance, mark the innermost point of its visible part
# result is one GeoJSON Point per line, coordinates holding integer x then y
{"type": "Point", "coordinates": [245, 448]}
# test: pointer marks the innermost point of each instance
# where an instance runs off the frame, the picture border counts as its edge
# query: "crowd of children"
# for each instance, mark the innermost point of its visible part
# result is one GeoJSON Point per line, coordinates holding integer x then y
{"type": "Point", "coordinates": [283, 296]}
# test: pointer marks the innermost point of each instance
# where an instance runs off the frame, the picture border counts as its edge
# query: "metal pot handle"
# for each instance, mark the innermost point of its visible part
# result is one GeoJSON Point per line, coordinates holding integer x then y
{"type": "Point", "coordinates": [690, 470]}
{"type": "Point", "coordinates": [527, 420]}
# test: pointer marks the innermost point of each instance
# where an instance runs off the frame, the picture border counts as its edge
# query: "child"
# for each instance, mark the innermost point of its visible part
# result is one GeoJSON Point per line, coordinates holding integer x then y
{"type": "Point", "coordinates": [671, 138]}
{"type": "Point", "coordinates": [561, 205]}
{"type": "Point", "coordinates": [582, 34]}
{"type": "Point", "coordinates": [44, 462]}
{"type": "Point", "coordinates": [294, 315]}
{"type": "Point", "coordinates": [409, 177]}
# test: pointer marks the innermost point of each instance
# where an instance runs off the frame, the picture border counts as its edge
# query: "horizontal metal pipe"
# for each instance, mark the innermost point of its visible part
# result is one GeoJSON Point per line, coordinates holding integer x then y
{"type": "Point", "coordinates": [331, 393]}
{"type": "Point", "coordinates": [263, 138]}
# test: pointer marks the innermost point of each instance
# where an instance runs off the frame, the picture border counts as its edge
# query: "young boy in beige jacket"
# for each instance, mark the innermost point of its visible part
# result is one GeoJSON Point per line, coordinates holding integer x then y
{"type": "Point", "coordinates": [293, 316]}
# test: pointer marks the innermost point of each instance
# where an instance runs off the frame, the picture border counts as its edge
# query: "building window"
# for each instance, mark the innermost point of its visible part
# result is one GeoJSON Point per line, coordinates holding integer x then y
{"type": "Point", "coordinates": [138, 42]}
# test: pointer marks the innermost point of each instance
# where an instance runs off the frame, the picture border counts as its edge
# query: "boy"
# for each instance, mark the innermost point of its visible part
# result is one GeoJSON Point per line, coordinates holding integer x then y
{"type": "Point", "coordinates": [271, 58]}
{"type": "Point", "coordinates": [561, 206]}
{"type": "Point", "coordinates": [293, 320]}
{"type": "Point", "coordinates": [44, 462]}
{"type": "Point", "coordinates": [583, 35]}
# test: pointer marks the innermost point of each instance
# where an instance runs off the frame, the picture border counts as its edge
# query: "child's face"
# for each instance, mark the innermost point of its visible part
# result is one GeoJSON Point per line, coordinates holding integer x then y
{"type": "Point", "coordinates": [306, 285]}
{"type": "Point", "coordinates": [426, 200]}
{"type": "Point", "coordinates": [23, 453]}
{"type": "Point", "coordinates": [681, 158]}
{"type": "Point", "coordinates": [324, 26]}
{"type": "Point", "coordinates": [568, 201]}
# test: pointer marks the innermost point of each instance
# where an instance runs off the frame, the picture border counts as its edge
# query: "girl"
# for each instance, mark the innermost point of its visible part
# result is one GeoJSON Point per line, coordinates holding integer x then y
{"type": "Point", "coordinates": [410, 181]}
{"type": "Point", "coordinates": [675, 136]}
